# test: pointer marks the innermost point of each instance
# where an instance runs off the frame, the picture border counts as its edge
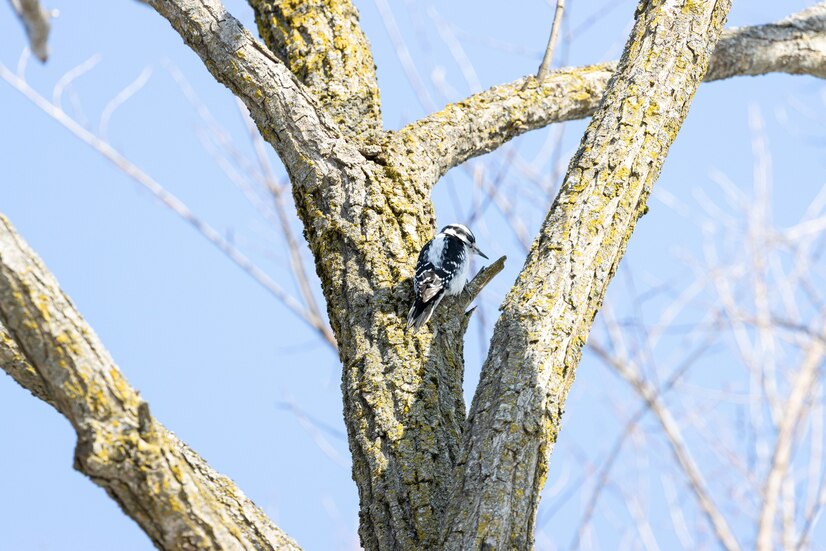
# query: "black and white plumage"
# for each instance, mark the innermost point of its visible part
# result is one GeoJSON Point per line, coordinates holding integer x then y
{"type": "Point", "coordinates": [441, 270]}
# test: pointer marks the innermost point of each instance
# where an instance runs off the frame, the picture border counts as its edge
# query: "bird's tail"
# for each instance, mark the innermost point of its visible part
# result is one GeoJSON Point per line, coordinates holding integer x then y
{"type": "Point", "coordinates": [419, 313]}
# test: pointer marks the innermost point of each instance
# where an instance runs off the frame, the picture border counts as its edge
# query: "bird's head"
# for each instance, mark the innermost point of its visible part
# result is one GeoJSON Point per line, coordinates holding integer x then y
{"type": "Point", "coordinates": [463, 234]}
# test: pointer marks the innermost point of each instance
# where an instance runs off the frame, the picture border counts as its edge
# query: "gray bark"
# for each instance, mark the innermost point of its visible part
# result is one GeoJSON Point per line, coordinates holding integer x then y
{"type": "Point", "coordinates": [547, 315]}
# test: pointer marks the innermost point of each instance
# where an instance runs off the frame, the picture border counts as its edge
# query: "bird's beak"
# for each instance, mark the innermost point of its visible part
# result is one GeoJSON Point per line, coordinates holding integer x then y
{"type": "Point", "coordinates": [480, 253]}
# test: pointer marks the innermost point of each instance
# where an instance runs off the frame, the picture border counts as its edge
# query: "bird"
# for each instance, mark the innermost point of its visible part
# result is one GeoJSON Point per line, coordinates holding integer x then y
{"type": "Point", "coordinates": [441, 270]}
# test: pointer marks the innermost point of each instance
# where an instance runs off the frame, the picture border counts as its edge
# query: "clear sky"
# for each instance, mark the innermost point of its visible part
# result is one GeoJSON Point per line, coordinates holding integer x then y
{"type": "Point", "coordinates": [214, 354]}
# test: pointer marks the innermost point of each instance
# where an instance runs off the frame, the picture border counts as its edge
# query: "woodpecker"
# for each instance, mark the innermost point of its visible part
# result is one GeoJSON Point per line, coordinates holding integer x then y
{"type": "Point", "coordinates": [441, 270]}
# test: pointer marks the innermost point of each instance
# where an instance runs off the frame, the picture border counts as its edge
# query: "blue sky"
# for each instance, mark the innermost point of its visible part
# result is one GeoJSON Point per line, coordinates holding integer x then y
{"type": "Point", "coordinates": [211, 351]}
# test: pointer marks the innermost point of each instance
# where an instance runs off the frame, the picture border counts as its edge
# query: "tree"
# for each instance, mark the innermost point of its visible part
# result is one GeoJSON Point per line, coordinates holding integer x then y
{"type": "Point", "coordinates": [426, 475]}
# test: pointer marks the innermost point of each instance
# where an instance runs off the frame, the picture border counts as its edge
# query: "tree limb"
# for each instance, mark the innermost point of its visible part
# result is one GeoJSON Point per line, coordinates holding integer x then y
{"type": "Point", "coordinates": [287, 114]}
{"type": "Point", "coordinates": [47, 347]}
{"type": "Point", "coordinates": [323, 45]}
{"type": "Point", "coordinates": [480, 280]}
{"type": "Point", "coordinates": [484, 121]}
{"type": "Point", "coordinates": [795, 45]}
{"type": "Point", "coordinates": [546, 317]}
{"type": "Point", "coordinates": [36, 22]}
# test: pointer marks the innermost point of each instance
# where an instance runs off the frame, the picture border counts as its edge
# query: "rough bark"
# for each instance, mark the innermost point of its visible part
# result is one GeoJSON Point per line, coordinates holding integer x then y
{"type": "Point", "coordinates": [795, 45]}
{"type": "Point", "coordinates": [322, 44]}
{"type": "Point", "coordinates": [365, 222]}
{"type": "Point", "coordinates": [363, 197]}
{"type": "Point", "coordinates": [47, 347]}
{"type": "Point", "coordinates": [484, 121]}
{"type": "Point", "coordinates": [547, 315]}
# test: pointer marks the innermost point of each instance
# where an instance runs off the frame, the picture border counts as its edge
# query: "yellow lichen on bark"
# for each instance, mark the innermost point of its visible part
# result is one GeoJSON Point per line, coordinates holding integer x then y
{"type": "Point", "coordinates": [546, 317]}
{"type": "Point", "coordinates": [47, 347]}
{"type": "Point", "coordinates": [323, 45]}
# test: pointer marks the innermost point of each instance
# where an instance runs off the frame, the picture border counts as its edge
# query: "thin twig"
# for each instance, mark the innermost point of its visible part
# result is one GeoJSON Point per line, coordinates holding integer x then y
{"type": "Point", "coordinates": [792, 414]}
{"type": "Point", "coordinates": [549, 50]}
{"type": "Point", "coordinates": [485, 276]}
{"type": "Point", "coordinates": [630, 373]}
{"type": "Point", "coordinates": [403, 53]}
{"type": "Point", "coordinates": [69, 77]}
{"type": "Point", "coordinates": [316, 429]}
{"type": "Point", "coordinates": [812, 517]}
{"type": "Point", "coordinates": [121, 98]}
{"type": "Point", "coordinates": [169, 200]}
{"type": "Point", "coordinates": [299, 270]}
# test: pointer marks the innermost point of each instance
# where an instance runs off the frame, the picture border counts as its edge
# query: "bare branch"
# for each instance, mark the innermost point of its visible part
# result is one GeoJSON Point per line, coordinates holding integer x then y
{"type": "Point", "coordinates": [176, 498]}
{"type": "Point", "coordinates": [277, 190]}
{"type": "Point", "coordinates": [802, 385]}
{"type": "Point", "coordinates": [286, 113]}
{"type": "Point", "coordinates": [484, 121]}
{"type": "Point", "coordinates": [681, 452]}
{"type": "Point", "coordinates": [69, 77]}
{"type": "Point", "coordinates": [795, 45]}
{"type": "Point", "coordinates": [485, 276]}
{"type": "Point", "coordinates": [173, 203]}
{"type": "Point", "coordinates": [811, 518]}
{"type": "Point", "coordinates": [120, 98]}
{"type": "Point", "coordinates": [36, 22]}
{"type": "Point", "coordinates": [411, 72]}
{"type": "Point", "coordinates": [549, 50]}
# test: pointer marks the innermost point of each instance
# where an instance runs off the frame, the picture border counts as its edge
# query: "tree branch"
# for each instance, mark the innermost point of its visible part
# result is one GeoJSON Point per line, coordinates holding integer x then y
{"type": "Point", "coordinates": [646, 391]}
{"type": "Point", "coordinates": [310, 315]}
{"type": "Point", "coordinates": [802, 385]}
{"type": "Point", "coordinates": [549, 49]}
{"type": "Point", "coordinates": [47, 347]}
{"type": "Point", "coordinates": [480, 280]}
{"type": "Point", "coordinates": [485, 121]}
{"type": "Point", "coordinates": [323, 45]}
{"type": "Point", "coordinates": [36, 22]}
{"type": "Point", "coordinates": [308, 142]}
{"type": "Point", "coordinates": [546, 317]}
{"type": "Point", "coordinates": [795, 45]}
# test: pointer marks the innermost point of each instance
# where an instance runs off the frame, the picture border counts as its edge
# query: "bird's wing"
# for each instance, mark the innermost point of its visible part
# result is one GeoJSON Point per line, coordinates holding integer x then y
{"type": "Point", "coordinates": [422, 264]}
{"type": "Point", "coordinates": [429, 284]}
